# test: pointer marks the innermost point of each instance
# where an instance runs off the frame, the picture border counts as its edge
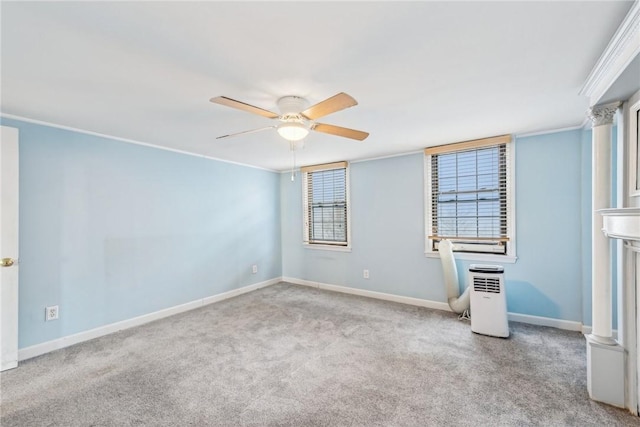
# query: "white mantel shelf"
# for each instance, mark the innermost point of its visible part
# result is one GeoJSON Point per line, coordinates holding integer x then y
{"type": "Point", "coordinates": [622, 223]}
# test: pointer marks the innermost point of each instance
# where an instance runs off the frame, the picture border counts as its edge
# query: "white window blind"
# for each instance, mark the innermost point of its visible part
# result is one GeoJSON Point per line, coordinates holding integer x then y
{"type": "Point", "coordinates": [326, 210]}
{"type": "Point", "coordinates": [470, 194]}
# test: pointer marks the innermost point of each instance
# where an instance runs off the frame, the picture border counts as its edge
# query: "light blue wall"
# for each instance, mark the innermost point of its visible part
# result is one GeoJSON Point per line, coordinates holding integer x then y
{"type": "Point", "coordinates": [111, 230]}
{"type": "Point", "coordinates": [547, 278]}
{"type": "Point", "coordinates": [387, 233]}
{"type": "Point", "coordinates": [388, 226]}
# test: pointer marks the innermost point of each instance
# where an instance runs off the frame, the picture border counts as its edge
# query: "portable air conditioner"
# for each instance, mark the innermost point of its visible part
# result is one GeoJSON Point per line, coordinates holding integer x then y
{"type": "Point", "coordinates": [488, 300]}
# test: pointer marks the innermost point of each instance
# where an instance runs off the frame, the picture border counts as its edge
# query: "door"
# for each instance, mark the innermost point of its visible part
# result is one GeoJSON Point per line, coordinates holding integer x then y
{"type": "Point", "coordinates": [9, 248]}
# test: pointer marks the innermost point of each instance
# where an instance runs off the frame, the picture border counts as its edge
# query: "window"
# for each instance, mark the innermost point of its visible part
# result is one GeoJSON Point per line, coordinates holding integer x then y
{"type": "Point", "coordinates": [325, 198]}
{"type": "Point", "coordinates": [468, 188]}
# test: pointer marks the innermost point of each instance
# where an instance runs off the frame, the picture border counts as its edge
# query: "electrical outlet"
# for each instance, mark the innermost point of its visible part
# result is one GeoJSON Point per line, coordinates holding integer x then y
{"type": "Point", "coordinates": [51, 313]}
{"type": "Point", "coordinates": [365, 274]}
{"type": "Point", "coordinates": [254, 268]}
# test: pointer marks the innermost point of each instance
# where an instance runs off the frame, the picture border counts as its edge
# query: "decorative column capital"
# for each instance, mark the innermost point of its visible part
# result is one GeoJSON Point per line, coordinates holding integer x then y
{"type": "Point", "coordinates": [603, 114]}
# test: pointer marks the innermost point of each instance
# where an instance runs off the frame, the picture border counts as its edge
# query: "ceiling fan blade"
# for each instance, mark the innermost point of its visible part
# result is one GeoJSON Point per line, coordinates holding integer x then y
{"type": "Point", "coordinates": [330, 105]}
{"type": "Point", "coordinates": [228, 102]}
{"type": "Point", "coordinates": [340, 131]}
{"type": "Point", "coordinates": [245, 132]}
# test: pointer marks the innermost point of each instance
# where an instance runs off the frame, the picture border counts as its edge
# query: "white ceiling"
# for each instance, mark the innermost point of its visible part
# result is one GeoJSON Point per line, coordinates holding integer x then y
{"type": "Point", "coordinates": [424, 73]}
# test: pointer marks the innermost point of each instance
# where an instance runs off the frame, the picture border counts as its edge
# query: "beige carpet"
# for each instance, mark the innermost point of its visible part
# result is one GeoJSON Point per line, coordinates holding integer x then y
{"type": "Point", "coordinates": [294, 356]}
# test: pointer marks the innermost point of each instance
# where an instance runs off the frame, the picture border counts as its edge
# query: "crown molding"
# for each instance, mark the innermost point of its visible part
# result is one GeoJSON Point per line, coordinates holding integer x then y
{"type": "Point", "coordinates": [621, 50]}
{"type": "Point", "coordinates": [583, 125]}
{"type": "Point", "coordinates": [127, 140]}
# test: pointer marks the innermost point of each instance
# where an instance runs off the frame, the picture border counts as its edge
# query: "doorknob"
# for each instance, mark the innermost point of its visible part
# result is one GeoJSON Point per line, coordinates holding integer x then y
{"type": "Point", "coordinates": [7, 262]}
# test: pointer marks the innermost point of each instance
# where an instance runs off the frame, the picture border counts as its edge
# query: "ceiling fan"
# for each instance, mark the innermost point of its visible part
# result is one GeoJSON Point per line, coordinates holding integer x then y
{"type": "Point", "coordinates": [295, 119]}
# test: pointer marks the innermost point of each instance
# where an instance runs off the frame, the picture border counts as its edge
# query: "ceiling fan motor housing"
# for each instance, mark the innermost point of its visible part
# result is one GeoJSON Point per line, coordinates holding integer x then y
{"type": "Point", "coordinates": [292, 105]}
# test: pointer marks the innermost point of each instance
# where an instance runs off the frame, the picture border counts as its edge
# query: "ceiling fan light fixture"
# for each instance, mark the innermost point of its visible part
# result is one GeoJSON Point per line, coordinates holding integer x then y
{"type": "Point", "coordinates": [293, 131]}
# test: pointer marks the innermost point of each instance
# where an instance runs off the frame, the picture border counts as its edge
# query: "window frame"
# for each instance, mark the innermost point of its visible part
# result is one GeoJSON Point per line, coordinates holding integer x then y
{"type": "Point", "coordinates": [510, 256]}
{"type": "Point", "coordinates": [305, 207]}
{"type": "Point", "coordinates": [633, 117]}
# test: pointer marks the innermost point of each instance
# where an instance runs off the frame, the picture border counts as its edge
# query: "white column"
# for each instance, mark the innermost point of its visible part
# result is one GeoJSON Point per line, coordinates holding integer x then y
{"type": "Point", "coordinates": [605, 357]}
{"type": "Point", "coordinates": [602, 118]}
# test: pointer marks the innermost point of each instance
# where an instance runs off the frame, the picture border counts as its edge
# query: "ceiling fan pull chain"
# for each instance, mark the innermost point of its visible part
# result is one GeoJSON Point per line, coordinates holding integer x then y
{"type": "Point", "coordinates": [292, 146]}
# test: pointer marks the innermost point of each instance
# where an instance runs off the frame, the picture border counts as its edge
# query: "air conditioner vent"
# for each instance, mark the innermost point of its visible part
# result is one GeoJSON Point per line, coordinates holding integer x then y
{"type": "Point", "coordinates": [486, 284]}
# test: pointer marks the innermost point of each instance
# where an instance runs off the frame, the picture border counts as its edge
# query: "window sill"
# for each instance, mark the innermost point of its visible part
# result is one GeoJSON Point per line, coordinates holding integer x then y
{"type": "Point", "coordinates": [467, 256]}
{"type": "Point", "coordinates": [334, 248]}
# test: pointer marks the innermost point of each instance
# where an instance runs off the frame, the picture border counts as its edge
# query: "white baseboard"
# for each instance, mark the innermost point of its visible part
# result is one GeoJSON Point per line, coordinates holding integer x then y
{"type": "Point", "coordinates": [569, 325]}
{"type": "Point", "coordinates": [46, 347]}
{"type": "Point", "coordinates": [516, 317]}
{"type": "Point", "coordinates": [371, 294]}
